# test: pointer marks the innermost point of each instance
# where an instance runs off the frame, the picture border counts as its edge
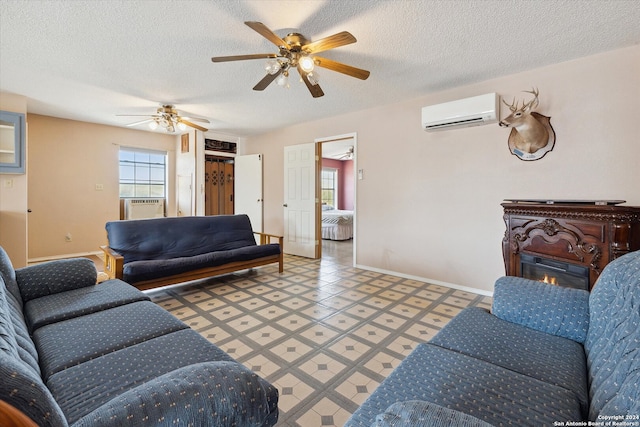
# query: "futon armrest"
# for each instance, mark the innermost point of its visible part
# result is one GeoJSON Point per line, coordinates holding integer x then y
{"type": "Point", "coordinates": [113, 263]}
{"type": "Point", "coordinates": [203, 394]}
{"type": "Point", "coordinates": [266, 238]}
{"type": "Point", "coordinates": [552, 309]}
{"type": "Point", "coordinates": [416, 413]}
{"type": "Point", "coordinates": [54, 277]}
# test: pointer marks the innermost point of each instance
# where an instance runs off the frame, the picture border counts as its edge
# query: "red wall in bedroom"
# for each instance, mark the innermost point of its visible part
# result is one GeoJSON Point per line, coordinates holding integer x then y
{"type": "Point", "coordinates": [345, 181]}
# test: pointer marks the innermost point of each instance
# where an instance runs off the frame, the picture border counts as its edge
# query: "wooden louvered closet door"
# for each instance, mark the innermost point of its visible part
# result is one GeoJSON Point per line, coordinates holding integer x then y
{"type": "Point", "coordinates": [219, 176]}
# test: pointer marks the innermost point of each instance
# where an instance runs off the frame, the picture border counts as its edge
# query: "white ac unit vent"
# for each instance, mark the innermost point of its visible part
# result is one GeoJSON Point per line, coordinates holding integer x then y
{"type": "Point", "coordinates": [474, 111]}
{"type": "Point", "coordinates": [143, 208]}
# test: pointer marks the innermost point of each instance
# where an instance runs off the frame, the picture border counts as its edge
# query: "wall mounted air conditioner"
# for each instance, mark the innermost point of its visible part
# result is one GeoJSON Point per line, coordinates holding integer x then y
{"type": "Point", "coordinates": [143, 208]}
{"type": "Point", "coordinates": [474, 111]}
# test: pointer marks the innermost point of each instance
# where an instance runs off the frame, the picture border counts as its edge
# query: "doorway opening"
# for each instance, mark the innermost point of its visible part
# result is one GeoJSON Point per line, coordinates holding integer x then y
{"type": "Point", "coordinates": [336, 182]}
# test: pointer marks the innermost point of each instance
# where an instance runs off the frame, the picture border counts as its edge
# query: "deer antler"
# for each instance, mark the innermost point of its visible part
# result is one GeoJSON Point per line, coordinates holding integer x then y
{"type": "Point", "coordinates": [534, 102]}
{"type": "Point", "coordinates": [513, 106]}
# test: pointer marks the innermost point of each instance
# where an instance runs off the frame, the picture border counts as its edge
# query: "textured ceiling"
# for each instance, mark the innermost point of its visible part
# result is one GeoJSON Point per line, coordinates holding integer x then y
{"type": "Point", "coordinates": [91, 60]}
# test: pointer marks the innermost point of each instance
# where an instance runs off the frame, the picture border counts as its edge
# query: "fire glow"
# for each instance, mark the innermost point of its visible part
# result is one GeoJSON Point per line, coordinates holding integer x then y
{"type": "Point", "coordinates": [549, 279]}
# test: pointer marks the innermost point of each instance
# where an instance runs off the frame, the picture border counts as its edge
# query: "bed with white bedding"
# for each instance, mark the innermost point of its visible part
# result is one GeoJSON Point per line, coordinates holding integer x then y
{"type": "Point", "coordinates": [336, 224]}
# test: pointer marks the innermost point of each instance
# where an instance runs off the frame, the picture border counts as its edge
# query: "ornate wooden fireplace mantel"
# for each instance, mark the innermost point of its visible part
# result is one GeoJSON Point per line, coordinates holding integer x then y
{"type": "Point", "coordinates": [581, 233]}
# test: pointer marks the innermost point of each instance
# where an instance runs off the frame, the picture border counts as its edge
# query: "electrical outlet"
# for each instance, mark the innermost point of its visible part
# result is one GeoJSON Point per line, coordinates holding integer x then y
{"type": "Point", "coordinates": [68, 237]}
{"type": "Point", "coordinates": [99, 187]}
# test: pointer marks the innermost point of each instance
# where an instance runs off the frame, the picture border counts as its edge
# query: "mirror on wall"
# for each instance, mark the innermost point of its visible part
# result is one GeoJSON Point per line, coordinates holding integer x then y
{"type": "Point", "coordinates": [12, 142]}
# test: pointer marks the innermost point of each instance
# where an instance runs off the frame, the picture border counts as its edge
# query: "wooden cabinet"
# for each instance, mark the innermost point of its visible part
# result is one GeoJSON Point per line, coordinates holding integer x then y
{"type": "Point", "coordinates": [582, 234]}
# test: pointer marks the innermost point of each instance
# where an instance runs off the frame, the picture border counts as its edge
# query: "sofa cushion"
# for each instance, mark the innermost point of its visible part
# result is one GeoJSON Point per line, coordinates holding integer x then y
{"type": "Point", "coordinates": [549, 358]}
{"type": "Point", "coordinates": [454, 380]}
{"type": "Point", "coordinates": [174, 237]}
{"type": "Point", "coordinates": [8, 274]}
{"type": "Point", "coordinates": [552, 309]}
{"type": "Point", "coordinates": [56, 276]}
{"type": "Point", "coordinates": [416, 413]}
{"type": "Point", "coordinates": [67, 305]}
{"type": "Point", "coordinates": [612, 345]}
{"type": "Point", "coordinates": [625, 403]}
{"type": "Point", "coordinates": [14, 336]}
{"type": "Point", "coordinates": [82, 388]}
{"type": "Point", "coordinates": [127, 325]}
{"type": "Point", "coordinates": [217, 393]}
{"type": "Point", "coordinates": [23, 388]}
{"type": "Point", "coordinates": [138, 271]}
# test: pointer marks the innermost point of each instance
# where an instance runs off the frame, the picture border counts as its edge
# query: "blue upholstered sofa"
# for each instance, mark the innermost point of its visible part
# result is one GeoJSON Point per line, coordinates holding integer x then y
{"type": "Point", "coordinates": [73, 353]}
{"type": "Point", "coordinates": [545, 356]}
{"type": "Point", "coordinates": [155, 252]}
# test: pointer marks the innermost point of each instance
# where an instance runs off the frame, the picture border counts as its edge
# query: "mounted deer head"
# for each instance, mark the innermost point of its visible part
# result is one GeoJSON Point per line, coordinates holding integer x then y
{"type": "Point", "coordinates": [531, 133]}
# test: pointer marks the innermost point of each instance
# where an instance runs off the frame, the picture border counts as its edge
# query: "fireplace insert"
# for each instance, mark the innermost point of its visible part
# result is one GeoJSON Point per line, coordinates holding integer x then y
{"type": "Point", "coordinates": [554, 272]}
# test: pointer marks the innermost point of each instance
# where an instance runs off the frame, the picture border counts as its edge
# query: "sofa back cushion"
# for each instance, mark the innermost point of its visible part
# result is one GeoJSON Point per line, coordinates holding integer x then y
{"type": "Point", "coordinates": [20, 384]}
{"type": "Point", "coordinates": [613, 353]}
{"type": "Point", "coordinates": [9, 275]}
{"type": "Point", "coordinates": [166, 238]}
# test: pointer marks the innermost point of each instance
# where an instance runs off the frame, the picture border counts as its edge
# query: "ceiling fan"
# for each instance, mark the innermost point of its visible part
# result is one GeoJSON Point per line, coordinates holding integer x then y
{"type": "Point", "coordinates": [296, 51]}
{"type": "Point", "coordinates": [348, 155]}
{"type": "Point", "coordinates": [167, 116]}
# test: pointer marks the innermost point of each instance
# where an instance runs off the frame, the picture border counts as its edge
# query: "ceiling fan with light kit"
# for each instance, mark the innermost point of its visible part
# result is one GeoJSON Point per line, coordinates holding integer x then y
{"type": "Point", "coordinates": [168, 117]}
{"type": "Point", "coordinates": [296, 51]}
{"type": "Point", "coordinates": [348, 155]}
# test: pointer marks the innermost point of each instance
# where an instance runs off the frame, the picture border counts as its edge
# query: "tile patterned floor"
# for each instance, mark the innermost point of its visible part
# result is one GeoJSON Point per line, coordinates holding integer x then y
{"type": "Point", "coordinates": [325, 333]}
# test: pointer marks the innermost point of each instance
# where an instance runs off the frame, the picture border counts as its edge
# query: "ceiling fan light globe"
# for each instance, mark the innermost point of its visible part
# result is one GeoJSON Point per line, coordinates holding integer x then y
{"type": "Point", "coordinates": [283, 80]}
{"type": "Point", "coordinates": [307, 64]}
{"type": "Point", "coordinates": [153, 125]}
{"type": "Point", "coordinates": [272, 67]}
{"type": "Point", "coordinates": [182, 126]}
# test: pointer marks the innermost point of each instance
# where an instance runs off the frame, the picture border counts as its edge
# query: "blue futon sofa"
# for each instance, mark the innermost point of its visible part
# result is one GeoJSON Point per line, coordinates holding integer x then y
{"type": "Point", "coordinates": [73, 353]}
{"type": "Point", "coordinates": [149, 253]}
{"type": "Point", "coordinates": [545, 356]}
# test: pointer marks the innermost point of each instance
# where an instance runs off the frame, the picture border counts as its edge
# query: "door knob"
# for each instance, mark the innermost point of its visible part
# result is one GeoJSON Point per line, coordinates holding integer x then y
{"type": "Point", "coordinates": [285, 205]}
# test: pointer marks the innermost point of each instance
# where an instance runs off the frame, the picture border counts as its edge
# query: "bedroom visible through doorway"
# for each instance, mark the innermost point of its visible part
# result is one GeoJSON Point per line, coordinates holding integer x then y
{"type": "Point", "coordinates": [337, 186]}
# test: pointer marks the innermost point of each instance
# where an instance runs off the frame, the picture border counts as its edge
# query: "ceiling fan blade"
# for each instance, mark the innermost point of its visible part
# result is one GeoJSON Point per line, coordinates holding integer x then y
{"type": "Point", "coordinates": [196, 119]}
{"type": "Point", "coordinates": [243, 57]}
{"type": "Point", "coordinates": [266, 81]}
{"type": "Point", "coordinates": [315, 90]}
{"type": "Point", "coordinates": [135, 115]}
{"type": "Point", "coordinates": [330, 42]}
{"type": "Point", "coordinates": [193, 125]}
{"type": "Point", "coordinates": [140, 122]}
{"type": "Point", "coordinates": [265, 32]}
{"type": "Point", "coordinates": [342, 68]}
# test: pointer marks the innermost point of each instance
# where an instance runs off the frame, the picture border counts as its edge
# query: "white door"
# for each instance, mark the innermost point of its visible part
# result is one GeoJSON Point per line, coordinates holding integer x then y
{"type": "Point", "coordinates": [185, 204]}
{"type": "Point", "coordinates": [248, 188]}
{"type": "Point", "coordinates": [300, 200]}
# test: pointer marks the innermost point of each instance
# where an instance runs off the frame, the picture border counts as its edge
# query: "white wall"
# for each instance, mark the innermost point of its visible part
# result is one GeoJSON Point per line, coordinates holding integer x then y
{"type": "Point", "coordinates": [429, 204]}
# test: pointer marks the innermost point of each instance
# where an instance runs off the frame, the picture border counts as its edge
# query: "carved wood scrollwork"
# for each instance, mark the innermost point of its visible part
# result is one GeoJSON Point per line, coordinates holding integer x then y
{"type": "Point", "coordinates": [551, 228]}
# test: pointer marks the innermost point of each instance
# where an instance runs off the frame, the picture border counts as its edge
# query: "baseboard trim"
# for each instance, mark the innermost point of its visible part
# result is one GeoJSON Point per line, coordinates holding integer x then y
{"type": "Point", "coordinates": [65, 256]}
{"type": "Point", "coordinates": [427, 280]}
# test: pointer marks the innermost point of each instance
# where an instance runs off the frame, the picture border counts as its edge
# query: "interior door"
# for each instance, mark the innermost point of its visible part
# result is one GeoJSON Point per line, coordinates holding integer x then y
{"type": "Point", "coordinates": [219, 176]}
{"type": "Point", "coordinates": [300, 200]}
{"type": "Point", "coordinates": [185, 204]}
{"type": "Point", "coordinates": [248, 188]}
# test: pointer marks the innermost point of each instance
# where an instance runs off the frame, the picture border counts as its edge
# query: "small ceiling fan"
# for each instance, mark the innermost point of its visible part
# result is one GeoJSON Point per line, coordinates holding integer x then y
{"type": "Point", "coordinates": [296, 51]}
{"type": "Point", "coordinates": [348, 155]}
{"type": "Point", "coordinates": [168, 117]}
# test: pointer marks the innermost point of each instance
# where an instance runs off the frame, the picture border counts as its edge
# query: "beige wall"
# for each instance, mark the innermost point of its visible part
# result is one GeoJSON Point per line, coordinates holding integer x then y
{"type": "Point", "coordinates": [13, 197]}
{"type": "Point", "coordinates": [67, 159]}
{"type": "Point", "coordinates": [429, 204]}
